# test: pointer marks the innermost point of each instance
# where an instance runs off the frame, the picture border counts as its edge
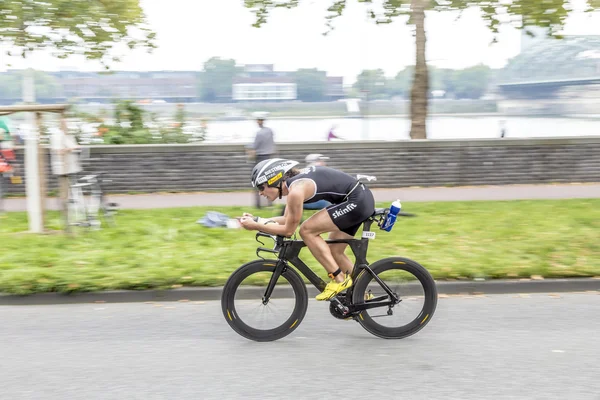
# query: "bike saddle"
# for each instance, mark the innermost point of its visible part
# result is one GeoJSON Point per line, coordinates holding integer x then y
{"type": "Point", "coordinates": [79, 185]}
{"type": "Point", "coordinates": [379, 211]}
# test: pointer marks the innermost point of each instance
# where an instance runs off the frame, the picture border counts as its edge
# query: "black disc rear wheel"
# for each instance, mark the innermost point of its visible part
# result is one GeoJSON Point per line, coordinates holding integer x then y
{"type": "Point", "coordinates": [415, 289]}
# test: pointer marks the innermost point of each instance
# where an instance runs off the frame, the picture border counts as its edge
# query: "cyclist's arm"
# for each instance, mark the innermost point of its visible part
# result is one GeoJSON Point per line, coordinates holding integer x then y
{"type": "Point", "coordinates": [293, 212]}
{"type": "Point", "coordinates": [280, 220]}
{"type": "Point", "coordinates": [287, 225]}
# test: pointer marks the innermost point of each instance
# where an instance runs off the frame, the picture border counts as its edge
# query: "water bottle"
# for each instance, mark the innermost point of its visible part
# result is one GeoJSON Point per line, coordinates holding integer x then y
{"type": "Point", "coordinates": [391, 216]}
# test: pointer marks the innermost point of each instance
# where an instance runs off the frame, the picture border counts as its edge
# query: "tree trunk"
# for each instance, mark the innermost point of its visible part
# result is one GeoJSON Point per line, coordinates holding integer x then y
{"type": "Point", "coordinates": [420, 87]}
{"type": "Point", "coordinates": [32, 153]}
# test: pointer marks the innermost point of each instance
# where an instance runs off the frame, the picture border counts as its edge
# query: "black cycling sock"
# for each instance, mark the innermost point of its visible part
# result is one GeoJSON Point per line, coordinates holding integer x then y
{"type": "Point", "coordinates": [334, 274]}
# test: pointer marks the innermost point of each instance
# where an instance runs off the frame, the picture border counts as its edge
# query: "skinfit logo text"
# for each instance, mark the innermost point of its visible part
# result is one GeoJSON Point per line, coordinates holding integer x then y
{"type": "Point", "coordinates": [345, 210]}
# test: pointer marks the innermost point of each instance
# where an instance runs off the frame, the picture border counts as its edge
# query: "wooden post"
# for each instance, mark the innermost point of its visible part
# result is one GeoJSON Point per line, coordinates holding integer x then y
{"type": "Point", "coordinates": [63, 180]}
{"type": "Point", "coordinates": [35, 159]}
{"type": "Point", "coordinates": [41, 168]}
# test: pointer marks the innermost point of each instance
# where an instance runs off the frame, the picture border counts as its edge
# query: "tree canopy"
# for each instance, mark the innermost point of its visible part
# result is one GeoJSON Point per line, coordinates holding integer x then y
{"type": "Point", "coordinates": [92, 28]}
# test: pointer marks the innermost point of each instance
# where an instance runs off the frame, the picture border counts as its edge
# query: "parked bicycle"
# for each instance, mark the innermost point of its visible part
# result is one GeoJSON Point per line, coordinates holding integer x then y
{"type": "Point", "coordinates": [392, 298]}
{"type": "Point", "coordinates": [84, 211]}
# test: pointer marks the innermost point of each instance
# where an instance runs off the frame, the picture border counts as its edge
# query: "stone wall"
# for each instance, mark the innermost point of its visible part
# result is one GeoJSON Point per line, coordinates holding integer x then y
{"type": "Point", "coordinates": [159, 168]}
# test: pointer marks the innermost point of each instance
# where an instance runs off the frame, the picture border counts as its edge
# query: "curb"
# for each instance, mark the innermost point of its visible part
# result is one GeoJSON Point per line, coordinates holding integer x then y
{"type": "Point", "coordinates": [208, 294]}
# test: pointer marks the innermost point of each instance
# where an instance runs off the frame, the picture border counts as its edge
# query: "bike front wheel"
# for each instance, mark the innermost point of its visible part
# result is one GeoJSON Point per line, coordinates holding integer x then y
{"type": "Point", "coordinates": [411, 283]}
{"type": "Point", "coordinates": [255, 318]}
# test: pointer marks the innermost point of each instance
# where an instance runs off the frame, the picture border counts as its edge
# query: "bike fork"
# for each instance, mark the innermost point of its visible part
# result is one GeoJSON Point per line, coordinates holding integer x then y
{"type": "Point", "coordinates": [281, 266]}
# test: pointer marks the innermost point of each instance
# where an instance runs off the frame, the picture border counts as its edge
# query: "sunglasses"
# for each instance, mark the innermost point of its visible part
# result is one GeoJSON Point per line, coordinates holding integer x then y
{"type": "Point", "coordinates": [260, 187]}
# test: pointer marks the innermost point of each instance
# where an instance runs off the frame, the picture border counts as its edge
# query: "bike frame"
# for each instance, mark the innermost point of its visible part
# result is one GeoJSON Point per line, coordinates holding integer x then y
{"type": "Point", "coordinates": [289, 253]}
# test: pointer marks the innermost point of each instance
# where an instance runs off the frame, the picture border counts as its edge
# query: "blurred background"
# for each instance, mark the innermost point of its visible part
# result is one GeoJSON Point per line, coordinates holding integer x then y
{"type": "Point", "coordinates": [454, 101]}
{"type": "Point", "coordinates": [204, 79]}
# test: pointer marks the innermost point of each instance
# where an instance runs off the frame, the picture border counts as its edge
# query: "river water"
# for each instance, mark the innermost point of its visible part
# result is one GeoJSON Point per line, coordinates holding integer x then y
{"type": "Point", "coordinates": [439, 127]}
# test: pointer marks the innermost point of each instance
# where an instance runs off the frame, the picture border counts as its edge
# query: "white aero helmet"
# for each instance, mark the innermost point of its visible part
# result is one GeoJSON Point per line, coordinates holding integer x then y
{"type": "Point", "coordinates": [271, 171]}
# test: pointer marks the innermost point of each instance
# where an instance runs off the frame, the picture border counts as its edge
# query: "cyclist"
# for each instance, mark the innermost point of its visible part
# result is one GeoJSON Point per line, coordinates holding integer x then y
{"type": "Point", "coordinates": [351, 204]}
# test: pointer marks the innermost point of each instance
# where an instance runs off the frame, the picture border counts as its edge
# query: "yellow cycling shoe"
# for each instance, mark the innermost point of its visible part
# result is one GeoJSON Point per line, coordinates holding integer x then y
{"type": "Point", "coordinates": [333, 288]}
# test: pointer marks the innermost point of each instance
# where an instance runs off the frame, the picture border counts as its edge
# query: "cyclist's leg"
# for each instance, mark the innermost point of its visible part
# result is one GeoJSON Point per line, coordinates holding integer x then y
{"type": "Point", "coordinates": [345, 218]}
{"type": "Point", "coordinates": [331, 257]}
{"type": "Point", "coordinates": [310, 231]}
{"type": "Point", "coordinates": [348, 218]}
{"type": "Point", "coordinates": [338, 251]}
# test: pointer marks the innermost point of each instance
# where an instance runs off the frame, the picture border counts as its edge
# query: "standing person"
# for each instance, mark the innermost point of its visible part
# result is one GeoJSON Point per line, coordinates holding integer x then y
{"type": "Point", "coordinates": [6, 148]}
{"type": "Point", "coordinates": [65, 159]}
{"type": "Point", "coordinates": [4, 130]}
{"type": "Point", "coordinates": [263, 147]}
{"type": "Point", "coordinates": [5, 167]}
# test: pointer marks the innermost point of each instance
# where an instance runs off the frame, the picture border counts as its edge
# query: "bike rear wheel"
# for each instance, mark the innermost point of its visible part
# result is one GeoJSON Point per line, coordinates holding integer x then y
{"type": "Point", "coordinates": [245, 311]}
{"type": "Point", "coordinates": [414, 286]}
{"type": "Point", "coordinates": [108, 211]}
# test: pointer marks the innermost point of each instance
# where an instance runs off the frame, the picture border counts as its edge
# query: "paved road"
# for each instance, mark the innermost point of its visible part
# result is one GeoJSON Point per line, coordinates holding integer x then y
{"type": "Point", "coordinates": [537, 346]}
{"type": "Point", "coordinates": [508, 192]}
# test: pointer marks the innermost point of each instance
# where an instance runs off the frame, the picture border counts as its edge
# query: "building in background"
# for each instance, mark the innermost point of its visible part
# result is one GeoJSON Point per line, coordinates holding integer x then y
{"type": "Point", "coordinates": [335, 88]}
{"type": "Point", "coordinates": [255, 82]}
{"type": "Point", "coordinates": [259, 82]}
{"type": "Point", "coordinates": [170, 86]}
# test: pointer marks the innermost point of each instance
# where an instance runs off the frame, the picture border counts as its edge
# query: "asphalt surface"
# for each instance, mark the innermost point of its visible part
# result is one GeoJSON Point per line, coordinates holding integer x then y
{"type": "Point", "coordinates": [538, 346]}
{"type": "Point", "coordinates": [505, 192]}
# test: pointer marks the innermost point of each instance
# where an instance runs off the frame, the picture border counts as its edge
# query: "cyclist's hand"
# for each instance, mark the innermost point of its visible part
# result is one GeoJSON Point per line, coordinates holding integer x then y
{"type": "Point", "coordinates": [248, 215]}
{"type": "Point", "coordinates": [248, 223]}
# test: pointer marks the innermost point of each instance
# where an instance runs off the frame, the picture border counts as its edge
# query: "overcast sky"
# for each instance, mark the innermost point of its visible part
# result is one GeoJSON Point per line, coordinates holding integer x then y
{"type": "Point", "coordinates": [191, 31]}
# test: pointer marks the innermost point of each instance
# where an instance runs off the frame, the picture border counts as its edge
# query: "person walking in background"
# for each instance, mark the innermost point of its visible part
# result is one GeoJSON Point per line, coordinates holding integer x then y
{"type": "Point", "coordinates": [502, 128]}
{"type": "Point", "coordinates": [263, 146]}
{"type": "Point", "coordinates": [331, 135]}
